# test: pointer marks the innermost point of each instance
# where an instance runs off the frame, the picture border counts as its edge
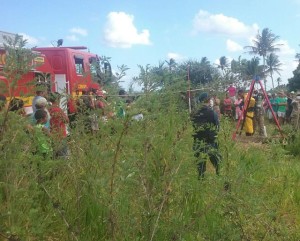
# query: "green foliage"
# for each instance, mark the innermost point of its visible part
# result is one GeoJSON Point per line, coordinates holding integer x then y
{"type": "Point", "coordinates": [273, 66]}
{"type": "Point", "coordinates": [265, 43]}
{"type": "Point", "coordinates": [18, 62]}
{"type": "Point", "coordinates": [101, 70]}
{"type": "Point", "coordinates": [150, 78]}
{"type": "Point", "coordinates": [200, 72]}
{"type": "Point", "coordinates": [137, 180]}
{"type": "Point", "coordinates": [292, 140]}
{"type": "Point", "coordinates": [294, 82]}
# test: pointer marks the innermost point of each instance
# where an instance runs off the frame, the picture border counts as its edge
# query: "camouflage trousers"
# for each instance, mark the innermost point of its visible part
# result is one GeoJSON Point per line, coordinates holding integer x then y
{"type": "Point", "coordinates": [295, 120]}
{"type": "Point", "coordinates": [259, 121]}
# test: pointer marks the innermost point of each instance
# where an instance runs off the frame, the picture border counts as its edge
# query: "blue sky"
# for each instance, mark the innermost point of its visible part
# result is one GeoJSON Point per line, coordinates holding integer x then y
{"type": "Point", "coordinates": [140, 32]}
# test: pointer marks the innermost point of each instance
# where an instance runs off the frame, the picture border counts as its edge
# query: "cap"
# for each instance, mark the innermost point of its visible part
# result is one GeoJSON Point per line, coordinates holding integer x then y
{"type": "Point", "coordinates": [203, 97]}
{"type": "Point", "coordinates": [292, 92]}
{"type": "Point", "coordinates": [41, 101]}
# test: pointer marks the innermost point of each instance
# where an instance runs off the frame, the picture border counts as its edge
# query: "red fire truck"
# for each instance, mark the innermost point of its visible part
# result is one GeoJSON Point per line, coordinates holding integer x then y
{"type": "Point", "coordinates": [73, 69]}
{"type": "Point", "coordinates": [68, 70]}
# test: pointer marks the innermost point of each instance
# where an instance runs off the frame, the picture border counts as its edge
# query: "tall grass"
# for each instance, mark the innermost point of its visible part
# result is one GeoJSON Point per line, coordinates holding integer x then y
{"type": "Point", "coordinates": [138, 181]}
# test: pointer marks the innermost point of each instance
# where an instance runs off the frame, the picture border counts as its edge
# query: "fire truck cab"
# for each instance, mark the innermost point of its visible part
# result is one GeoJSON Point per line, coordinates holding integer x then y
{"type": "Point", "coordinates": [67, 70]}
{"type": "Point", "coordinates": [72, 68]}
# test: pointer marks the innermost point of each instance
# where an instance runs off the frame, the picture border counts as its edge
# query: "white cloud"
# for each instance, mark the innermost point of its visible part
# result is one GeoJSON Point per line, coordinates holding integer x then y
{"type": "Point", "coordinates": [79, 31]}
{"type": "Point", "coordinates": [32, 41]}
{"type": "Point", "coordinates": [177, 57]}
{"type": "Point", "coordinates": [233, 46]}
{"type": "Point", "coordinates": [121, 32]}
{"type": "Point", "coordinates": [285, 49]}
{"type": "Point", "coordinates": [72, 38]}
{"type": "Point", "coordinates": [287, 58]}
{"type": "Point", "coordinates": [221, 24]}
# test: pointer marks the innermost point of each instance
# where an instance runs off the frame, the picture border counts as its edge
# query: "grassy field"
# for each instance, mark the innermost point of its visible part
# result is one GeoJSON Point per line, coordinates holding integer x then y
{"type": "Point", "coordinates": [138, 181]}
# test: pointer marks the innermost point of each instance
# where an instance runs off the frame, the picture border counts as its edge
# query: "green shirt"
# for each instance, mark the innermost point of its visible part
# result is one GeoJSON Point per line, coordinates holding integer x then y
{"type": "Point", "coordinates": [43, 143]}
{"type": "Point", "coordinates": [273, 102]}
{"type": "Point", "coordinates": [281, 100]}
{"type": "Point", "coordinates": [120, 109]}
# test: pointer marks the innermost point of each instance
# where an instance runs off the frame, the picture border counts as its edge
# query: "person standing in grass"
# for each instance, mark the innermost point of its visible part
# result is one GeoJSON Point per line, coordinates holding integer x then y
{"type": "Point", "coordinates": [72, 110]}
{"type": "Point", "coordinates": [238, 111]}
{"type": "Point", "coordinates": [282, 104]}
{"type": "Point", "coordinates": [40, 92]}
{"type": "Point", "coordinates": [41, 104]}
{"type": "Point", "coordinates": [259, 121]}
{"type": "Point", "coordinates": [273, 102]}
{"type": "Point", "coordinates": [295, 115]}
{"type": "Point", "coordinates": [121, 104]}
{"type": "Point", "coordinates": [216, 105]}
{"type": "Point", "coordinates": [42, 134]}
{"type": "Point", "coordinates": [227, 102]}
{"type": "Point", "coordinates": [289, 106]}
{"type": "Point", "coordinates": [58, 126]}
{"type": "Point", "coordinates": [232, 92]}
{"type": "Point", "coordinates": [86, 108]}
{"type": "Point", "coordinates": [206, 124]}
{"type": "Point", "coordinates": [249, 113]}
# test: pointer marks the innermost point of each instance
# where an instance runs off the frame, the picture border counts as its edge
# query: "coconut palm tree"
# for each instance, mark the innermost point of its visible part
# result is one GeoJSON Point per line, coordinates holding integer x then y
{"type": "Point", "coordinates": [264, 43]}
{"type": "Point", "coordinates": [253, 68]}
{"type": "Point", "coordinates": [200, 73]}
{"type": "Point", "coordinates": [223, 63]}
{"type": "Point", "coordinates": [205, 62]}
{"type": "Point", "coordinates": [279, 80]}
{"type": "Point", "coordinates": [171, 64]}
{"type": "Point", "coordinates": [273, 66]}
{"type": "Point", "coordinates": [238, 67]}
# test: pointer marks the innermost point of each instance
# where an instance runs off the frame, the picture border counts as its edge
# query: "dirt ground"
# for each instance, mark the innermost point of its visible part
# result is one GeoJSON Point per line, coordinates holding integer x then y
{"type": "Point", "coordinates": [257, 140]}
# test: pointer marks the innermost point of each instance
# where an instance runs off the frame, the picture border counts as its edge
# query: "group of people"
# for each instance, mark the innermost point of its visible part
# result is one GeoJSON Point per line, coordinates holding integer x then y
{"type": "Point", "coordinates": [230, 105]}
{"type": "Point", "coordinates": [47, 124]}
{"type": "Point", "coordinates": [286, 107]}
{"type": "Point", "coordinates": [50, 125]}
{"type": "Point", "coordinates": [88, 107]}
{"type": "Point", "coordinates": [277, 106]}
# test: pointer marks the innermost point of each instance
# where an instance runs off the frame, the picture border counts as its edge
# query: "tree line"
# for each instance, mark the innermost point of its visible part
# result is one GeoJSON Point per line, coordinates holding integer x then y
{"type": "Point", "coordinates": [203, 72]}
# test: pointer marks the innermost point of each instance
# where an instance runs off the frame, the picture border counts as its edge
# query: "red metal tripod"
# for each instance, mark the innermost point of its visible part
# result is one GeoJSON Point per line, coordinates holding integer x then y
{"type": "Point", "coordinates": [246, 105]}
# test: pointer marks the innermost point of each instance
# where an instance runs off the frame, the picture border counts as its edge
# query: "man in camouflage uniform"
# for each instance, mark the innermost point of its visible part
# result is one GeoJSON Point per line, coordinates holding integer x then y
{"type": "Point", "coordinates": [259, 113]}
{"type": "Point", "coordinates": [206, 124]}
{"type": "Point", "coordinates": [296, 112]}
